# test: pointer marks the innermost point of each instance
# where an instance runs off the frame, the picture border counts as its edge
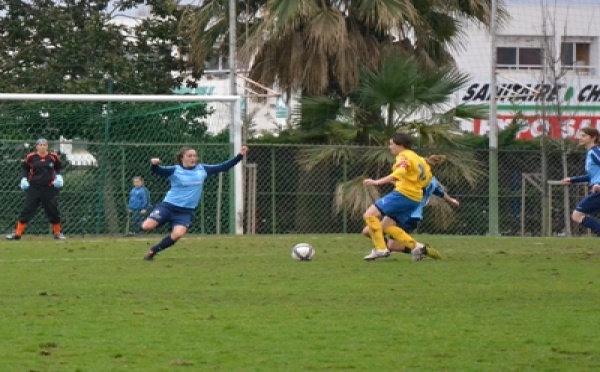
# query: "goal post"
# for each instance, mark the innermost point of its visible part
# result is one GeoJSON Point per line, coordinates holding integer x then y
{"type": "Point", "coordinates": [25, 119]}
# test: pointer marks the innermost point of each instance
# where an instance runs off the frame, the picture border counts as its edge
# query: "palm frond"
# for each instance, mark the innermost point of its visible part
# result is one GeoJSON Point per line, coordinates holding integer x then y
{"type": "Point", "coordinates": [285, 14]}
{"type": "Point", "coordinates": [379, 161]}
{"type": "Point", "coordinates": [464, 111]}
{"type": "Point", "coordinates": [309, 158]}
{"type": "Point", "coordinates": [353, 197]}
{"type": "Point", "coordinates": [205, 27]}
{"type": "Point", "coordinates": [444, 212]}
{"type": "Point", "coordinates": [460, 167]}
{"type": "Point", "coordinates": [386, 15]}
{"type": "Point", "coordinates": [317, 111]}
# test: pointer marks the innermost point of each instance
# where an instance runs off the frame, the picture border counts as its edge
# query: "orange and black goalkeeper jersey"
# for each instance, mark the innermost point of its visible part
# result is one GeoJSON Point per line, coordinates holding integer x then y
{"type": "Point", "coordinates": [41, 170]}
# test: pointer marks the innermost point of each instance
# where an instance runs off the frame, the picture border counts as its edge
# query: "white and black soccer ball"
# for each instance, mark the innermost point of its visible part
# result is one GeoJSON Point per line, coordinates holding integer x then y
{"type": "Point", "coordinates": [303, 252]}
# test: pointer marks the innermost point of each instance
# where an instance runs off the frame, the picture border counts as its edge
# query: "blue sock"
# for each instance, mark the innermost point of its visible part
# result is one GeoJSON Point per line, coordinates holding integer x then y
{"type": "Point", "coordinates": [592, 224]}
{"type": "Point", "coordinates": [164, 244]}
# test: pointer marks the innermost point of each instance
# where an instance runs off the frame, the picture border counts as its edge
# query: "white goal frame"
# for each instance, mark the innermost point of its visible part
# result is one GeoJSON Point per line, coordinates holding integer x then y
{"type": "Point", "coordinates": [235, 128]}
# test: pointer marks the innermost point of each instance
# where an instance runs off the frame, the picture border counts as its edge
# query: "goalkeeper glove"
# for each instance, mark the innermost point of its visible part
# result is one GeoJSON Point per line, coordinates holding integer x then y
{"type": "Point", "coordinates": [24, 183]}
{"type": "Point", "coordinates": [58, 181]}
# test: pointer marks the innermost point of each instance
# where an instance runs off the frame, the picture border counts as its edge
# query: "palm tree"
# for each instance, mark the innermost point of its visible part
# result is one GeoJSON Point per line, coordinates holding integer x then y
{"type": "Point", "coordinates": [318, 47]}
{"type": "Point", "coordinates": [407, 97]}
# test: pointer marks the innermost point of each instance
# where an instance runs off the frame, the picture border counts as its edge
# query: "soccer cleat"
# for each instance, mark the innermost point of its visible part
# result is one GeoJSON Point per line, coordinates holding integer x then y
{"type": "Point", "coordinates": [376, 253]}
{"type": "Point", "coordinates": [432, 252]}
{"type": "Point", "coordinates": [418, 254]}
{"type": "Point", "coordinates": [13, 236]}
{"type": "Point", "coordinates": [60, 236]}
{"type": "Point", "coordinates": [150, 256]}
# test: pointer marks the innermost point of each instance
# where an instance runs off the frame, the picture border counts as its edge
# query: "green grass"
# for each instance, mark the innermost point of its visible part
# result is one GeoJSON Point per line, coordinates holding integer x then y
{"type": "Point", "coordinates": [242, 304]}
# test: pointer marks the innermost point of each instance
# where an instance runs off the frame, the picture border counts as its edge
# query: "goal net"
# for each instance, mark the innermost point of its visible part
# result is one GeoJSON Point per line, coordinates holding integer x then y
{"type": "Point", "coordinates": [106, 140]}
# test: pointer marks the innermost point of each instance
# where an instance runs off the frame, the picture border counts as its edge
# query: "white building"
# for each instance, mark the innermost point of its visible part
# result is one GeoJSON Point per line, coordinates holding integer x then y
{"type": "Point", "coordinates": [267, 111]}
{"type": "Point", "coordinates": [546, 56]}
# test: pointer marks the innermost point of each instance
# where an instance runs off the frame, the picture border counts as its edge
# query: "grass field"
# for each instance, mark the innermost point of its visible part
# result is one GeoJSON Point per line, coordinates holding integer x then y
{"type": "Point", "coordinates": [242, 304]}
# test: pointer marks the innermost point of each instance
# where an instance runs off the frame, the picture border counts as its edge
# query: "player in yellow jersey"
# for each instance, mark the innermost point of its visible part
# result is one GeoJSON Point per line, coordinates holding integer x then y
{"type": "Point", "coordinates": [410, 174]}
{"type": "Point", "coordinates": [409, 221]}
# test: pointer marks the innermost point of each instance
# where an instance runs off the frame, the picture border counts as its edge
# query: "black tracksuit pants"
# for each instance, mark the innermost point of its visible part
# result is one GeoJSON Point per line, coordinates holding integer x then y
{"type": "Point", "coordinates": [47, 197]}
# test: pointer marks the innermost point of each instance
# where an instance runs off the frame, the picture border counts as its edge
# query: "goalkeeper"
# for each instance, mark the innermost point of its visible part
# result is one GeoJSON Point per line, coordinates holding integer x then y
{"type": "Point", "coordinates": [41, 182]}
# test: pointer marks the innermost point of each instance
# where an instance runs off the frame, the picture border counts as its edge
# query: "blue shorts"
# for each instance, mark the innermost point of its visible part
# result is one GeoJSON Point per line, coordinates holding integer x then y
{"type": "Point", "coordinates": [396, 206]}
{"type": "Point", "coordinates": [177, 216]}
{"type": "Point", "coordinates": [590, 204]}
{"type": "Point", "coordinates": [409, 225]}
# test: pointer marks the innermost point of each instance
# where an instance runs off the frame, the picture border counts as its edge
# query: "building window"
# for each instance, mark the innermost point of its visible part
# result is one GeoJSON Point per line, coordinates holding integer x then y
{"type": "Point", "coordinates": [519, 58]}
{"type": "Point", "coordinates": [575, 56]}
{"type": "Point", "coordinates": [217, 63]}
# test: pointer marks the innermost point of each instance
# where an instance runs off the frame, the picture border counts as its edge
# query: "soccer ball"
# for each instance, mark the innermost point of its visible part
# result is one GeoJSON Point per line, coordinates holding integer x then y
{"type": "Point", "coordinates": [303, 252]}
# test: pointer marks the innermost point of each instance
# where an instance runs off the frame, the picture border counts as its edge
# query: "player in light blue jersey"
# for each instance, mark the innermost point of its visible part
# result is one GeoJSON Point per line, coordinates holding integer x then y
{"type": "Point", "coordinates": [588, 138]}
{"type": "Point", "coordinates": [409, 222]}
{"type": "Point", "coordinates": [179, 205]}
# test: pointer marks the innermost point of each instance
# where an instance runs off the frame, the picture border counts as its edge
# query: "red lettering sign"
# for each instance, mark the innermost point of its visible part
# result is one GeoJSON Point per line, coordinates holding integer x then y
{"type": "Point", "coordinates": [535, 126]}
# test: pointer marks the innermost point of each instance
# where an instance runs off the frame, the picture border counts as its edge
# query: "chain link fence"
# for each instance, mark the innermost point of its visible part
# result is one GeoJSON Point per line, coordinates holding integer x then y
{"type": "Point", "coordinates": [96, 192]}
{"type": "Point", "coordinates": [300, 189]}
{"type": "Point", "coordinates": [292, 198]}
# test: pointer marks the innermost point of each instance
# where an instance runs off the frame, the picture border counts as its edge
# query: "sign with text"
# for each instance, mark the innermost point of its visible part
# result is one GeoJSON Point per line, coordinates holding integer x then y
{"type": "Point", "coordinates": [535, 126]}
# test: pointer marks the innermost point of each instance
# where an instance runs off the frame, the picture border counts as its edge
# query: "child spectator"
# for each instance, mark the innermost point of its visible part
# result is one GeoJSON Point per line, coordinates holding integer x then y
{"type": "Point", "coordinates": [139, 205]}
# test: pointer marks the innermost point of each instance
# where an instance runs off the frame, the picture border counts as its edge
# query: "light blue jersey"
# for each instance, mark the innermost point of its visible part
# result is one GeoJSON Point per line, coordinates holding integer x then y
{"type": "Point", "coordinates": [432, 189]}
{"type": "Point", "coordinates": [592, 167]}
{"type": "Point", "coordinates": [187, 183]}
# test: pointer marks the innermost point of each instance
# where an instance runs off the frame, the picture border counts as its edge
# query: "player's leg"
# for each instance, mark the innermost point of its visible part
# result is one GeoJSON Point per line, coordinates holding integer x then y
{"type": "Point", "coordinates": [393, 245]}
{"type": "Point", "coordinates": [372, 218]}
{"type": "Point", "coordinates": [180, 219]}
{"type": "Point", "coordinates": [588, 205]}
{"type": "Point", "coordinates": [366, 232]}
{"type": "Point", "coordinates": [49, 201]}
{"type": "Point", "coordinates": [422, 249]}
{"type": "Point", "coordinates": [177, 232]}
{"type": "Point", "coordinates": [399, 234]}
{"type": "Point", "coordinates": [160, 215]}
{"type": "Point", "coordinates": [28, 210]}
{"type": "Point", "coordinates": [427, 250]}
{"type": "Point", "coordinates": [397, 207]}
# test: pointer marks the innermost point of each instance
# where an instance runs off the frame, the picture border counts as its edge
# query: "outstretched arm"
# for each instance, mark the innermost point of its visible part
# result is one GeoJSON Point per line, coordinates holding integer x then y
{"type": "Point", "coordinates": [226, 165]}
{"type": "Point", "coordinates": [159, 169]}
{"type": "Point", "coordinates": [576, 179]}
{"type": "Point", "coordinates": [451, 200]}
